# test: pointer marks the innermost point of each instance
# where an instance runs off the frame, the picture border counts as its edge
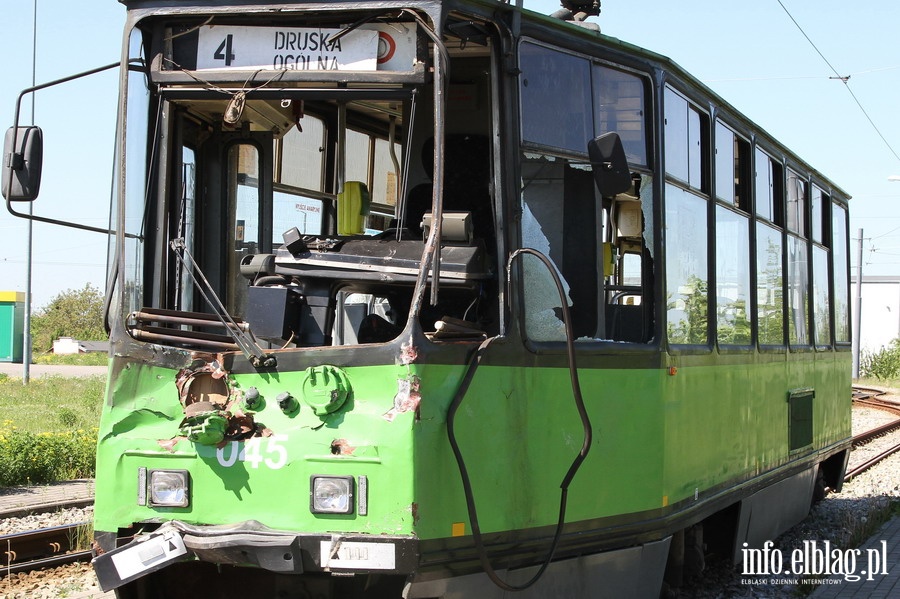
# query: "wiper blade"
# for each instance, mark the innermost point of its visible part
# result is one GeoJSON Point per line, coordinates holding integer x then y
{"type": "Point", "coordinates": [249, 347]}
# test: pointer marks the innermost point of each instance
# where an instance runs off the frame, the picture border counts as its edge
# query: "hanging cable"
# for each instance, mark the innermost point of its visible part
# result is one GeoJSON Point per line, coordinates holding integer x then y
{"type": "Point", "coordinates": [573, 468]}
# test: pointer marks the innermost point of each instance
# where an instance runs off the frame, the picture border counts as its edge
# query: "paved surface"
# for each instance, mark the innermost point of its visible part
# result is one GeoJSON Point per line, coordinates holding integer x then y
{"type": "Point", "coordinates": [20, 501]}
{"type": "Point", "coordinates": [38, 370]}
{"type": "Point", "coordinates": [883, 546]}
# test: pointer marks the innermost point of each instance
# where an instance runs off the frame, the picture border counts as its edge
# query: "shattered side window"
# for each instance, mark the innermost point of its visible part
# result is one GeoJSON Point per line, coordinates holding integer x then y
{"type": "Point", "coordinates": [543, 316]}
{"type": "Point", "coordinates": [560, 220]}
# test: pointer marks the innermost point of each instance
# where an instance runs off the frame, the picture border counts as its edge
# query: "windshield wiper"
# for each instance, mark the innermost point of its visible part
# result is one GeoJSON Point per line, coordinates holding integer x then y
{"type": "Point", "coordinates": [258, 358]}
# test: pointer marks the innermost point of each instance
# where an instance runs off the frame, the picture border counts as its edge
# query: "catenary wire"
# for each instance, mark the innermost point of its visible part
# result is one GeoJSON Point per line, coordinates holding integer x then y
{"type": "Point", "coordinates": [844, 79]}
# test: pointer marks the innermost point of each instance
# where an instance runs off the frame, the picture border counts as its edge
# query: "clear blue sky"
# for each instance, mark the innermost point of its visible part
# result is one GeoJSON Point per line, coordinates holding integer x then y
{"type": "Point", "coordinates": [750, 53]}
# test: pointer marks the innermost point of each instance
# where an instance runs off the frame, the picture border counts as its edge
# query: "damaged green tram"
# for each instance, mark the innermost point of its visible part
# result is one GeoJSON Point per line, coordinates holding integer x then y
{"type": "Point", "coordinates": [446, 298]}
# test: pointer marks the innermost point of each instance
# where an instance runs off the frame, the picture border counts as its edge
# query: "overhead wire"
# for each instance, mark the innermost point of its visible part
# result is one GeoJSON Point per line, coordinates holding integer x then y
{"type": "Point", "coordinates": [844, 79]}
{"type": "Point", "coordinates": [798, 77]}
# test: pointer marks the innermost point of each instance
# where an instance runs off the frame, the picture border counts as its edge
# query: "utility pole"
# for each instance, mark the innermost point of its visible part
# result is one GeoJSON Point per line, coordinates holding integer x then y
{"type": "Point", "coordinates": [858, 319]}
{"type": "Point", "coordinates": [26, 351]}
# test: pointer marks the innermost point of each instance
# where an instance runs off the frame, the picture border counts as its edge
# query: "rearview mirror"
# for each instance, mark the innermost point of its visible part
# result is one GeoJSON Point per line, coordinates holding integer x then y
{"type": "Point", "coordinates": [609, 165]}
{"type": "Point", "coordinates": [23, 152]}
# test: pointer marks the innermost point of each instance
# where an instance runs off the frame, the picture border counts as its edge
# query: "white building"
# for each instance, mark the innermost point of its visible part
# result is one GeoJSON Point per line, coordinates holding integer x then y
{"type": "Point", "coordinates": [880, 301]}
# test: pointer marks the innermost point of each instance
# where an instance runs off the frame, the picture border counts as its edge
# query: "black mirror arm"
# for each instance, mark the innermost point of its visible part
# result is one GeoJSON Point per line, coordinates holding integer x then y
{"type": "Point", "coordinates": [11, 161]}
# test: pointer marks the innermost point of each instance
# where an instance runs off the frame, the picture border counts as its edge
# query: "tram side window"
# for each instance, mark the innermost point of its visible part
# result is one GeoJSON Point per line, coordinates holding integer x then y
{"type": "Point", "coordinates": [733, 261]}
{"type": "Point", "coordinates": [821, 298]}
{"type": "Point", "coordinates": [769, 188]}
{"type": "Point", "coordinates": [798, 290]}
{"type": "Point", "coordinates": [597, 99]}
{"type": "Point", "coordinates": [769, 205]}
{"type": "Point", "coordinates": [685, 132]}
{"type": "Point", "coordinates": [619, 107]}
{"type": "Point", "coordinates": [562, 214]}
{"type": "Point", "coordinates": [796, 204]}
{"type": "Point", "coordinates": [841, 266]}
{"type": "Point", "coordinates": [687, 278]}
{"type": "Point", "coordinates": [369, 160]}
{"type": "Point", "coordinates": [137, 161]}
{"type": "Point", "coordinates": [687, 269]}
{"type": "Point", "coordinates": [769, 291]}
{"type": "Point", "coordinates": [556, 98]}
{"type": "Point", "coordinates": [798, 261]}
{"type": "Point", "coordinates": [301, 155]}
{"type": "Point", "coordinates": [299, 180]}
{"type": "Point", "coordinates": [821, 305]}
{"type": "Point", "coordinates": [560, 219]}
{"type": "Point", "coordinates": [733, 317]}
{"type": "Point", "coordinates": [818, 201]}
{"type": "Point", "coordinates": [732, 168]}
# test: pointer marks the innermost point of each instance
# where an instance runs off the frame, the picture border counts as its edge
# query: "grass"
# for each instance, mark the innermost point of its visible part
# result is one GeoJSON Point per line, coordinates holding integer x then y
{"type": "Point", "coordinates": [877, 383]}
{"type": "Point", "coordinates": [48, 428]}
{"type": "Point", "coordinates": [88, 359]}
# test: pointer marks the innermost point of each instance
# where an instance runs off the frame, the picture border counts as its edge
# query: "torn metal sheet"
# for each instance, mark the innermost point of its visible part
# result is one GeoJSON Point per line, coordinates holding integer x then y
{"type": "Point", "coordinates": [407, 398]}
{"type": "Point", "coordinates": [213, 413]}
{"type": "Point", "coordinates": [408, 354]}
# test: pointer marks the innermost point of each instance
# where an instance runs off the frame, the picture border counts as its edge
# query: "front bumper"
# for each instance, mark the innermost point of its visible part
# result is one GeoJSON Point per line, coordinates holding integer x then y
{"type": "Point", "coordinates": [253, 544]}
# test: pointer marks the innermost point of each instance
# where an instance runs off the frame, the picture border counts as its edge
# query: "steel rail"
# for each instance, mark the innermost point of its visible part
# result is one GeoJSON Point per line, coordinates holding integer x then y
{"type": "Point", "coordinates": [869, 400]}
{"type": "Point", "coordinates": [35, 549]}
{"type": "Point", "coordinates": [871, 462]}
{"type": "Point", "coordinates": [866, 436]}
{"type": "Point", "coordinates": [47, 562]}
{"type": "Point", "coordinates": [879, 404]}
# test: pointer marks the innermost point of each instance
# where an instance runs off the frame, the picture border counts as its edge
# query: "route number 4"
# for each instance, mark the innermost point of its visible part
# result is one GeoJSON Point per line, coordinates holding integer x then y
{"type": "Point", "coordinates": [251, 451]}
{"type": "Point", "coordinates": [225, 50]}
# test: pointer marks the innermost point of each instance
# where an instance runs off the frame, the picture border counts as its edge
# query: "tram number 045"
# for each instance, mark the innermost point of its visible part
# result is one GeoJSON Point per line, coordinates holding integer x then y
{"type": "Point", "coordinates": [273, 455]}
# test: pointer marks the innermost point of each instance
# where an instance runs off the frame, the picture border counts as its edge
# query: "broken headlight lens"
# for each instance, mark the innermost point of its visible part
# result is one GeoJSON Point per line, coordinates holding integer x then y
{"type": "Point", "coordinates": [331, 494]}
{"type": "Point", "coordinates": [169, 488]}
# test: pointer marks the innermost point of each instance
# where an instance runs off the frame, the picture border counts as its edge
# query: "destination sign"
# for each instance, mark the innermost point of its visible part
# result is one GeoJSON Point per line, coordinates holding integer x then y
{"type": "Point", "coordinates": [367, 48]}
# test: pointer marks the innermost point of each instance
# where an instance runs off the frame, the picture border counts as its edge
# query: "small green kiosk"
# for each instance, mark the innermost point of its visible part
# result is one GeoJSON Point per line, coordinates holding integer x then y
{"type": "Point", "coordinates": [12, 325]}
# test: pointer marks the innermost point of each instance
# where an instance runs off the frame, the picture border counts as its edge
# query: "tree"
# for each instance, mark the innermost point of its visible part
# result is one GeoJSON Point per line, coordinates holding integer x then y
{"type": "Point", "coordinates": [76, 313]}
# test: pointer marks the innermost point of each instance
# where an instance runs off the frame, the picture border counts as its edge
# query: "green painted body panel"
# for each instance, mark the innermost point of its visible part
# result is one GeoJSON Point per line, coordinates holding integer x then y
{"type": "Point", "coordinates": [271, 484]}
{"type": "Point", "coordinates": [659, 439]}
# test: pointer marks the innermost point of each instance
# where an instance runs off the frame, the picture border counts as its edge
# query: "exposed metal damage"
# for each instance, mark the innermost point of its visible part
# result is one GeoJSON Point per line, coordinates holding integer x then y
{"type": "Point", "coordinates": [214, 411]}
{"type": "Point", "coordinates": [407, 397]}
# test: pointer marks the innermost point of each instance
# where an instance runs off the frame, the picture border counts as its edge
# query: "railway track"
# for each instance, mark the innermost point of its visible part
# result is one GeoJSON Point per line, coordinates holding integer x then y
{"type": "Point", "coordinates": [44, 548]}
{"type": "Point", "coordinates": [870, 397]}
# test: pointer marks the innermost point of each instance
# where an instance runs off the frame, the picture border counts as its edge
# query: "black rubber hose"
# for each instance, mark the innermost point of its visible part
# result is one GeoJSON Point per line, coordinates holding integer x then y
{"type": "Point", "coordinates": [576, 463]}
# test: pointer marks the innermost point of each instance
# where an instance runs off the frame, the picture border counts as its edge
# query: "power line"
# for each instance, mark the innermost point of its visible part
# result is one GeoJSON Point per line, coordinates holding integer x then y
{"type": "Point", "coordinates": [798, 77]}
{"type": "Point", "coordinates": [886, 234]}
{"type": "Point", "coordinates": [844, 79]}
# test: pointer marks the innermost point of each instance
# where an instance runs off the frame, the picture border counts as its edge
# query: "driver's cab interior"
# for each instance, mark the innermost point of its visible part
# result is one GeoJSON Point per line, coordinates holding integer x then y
{"type": "Point", "coordinates": [306, 208]}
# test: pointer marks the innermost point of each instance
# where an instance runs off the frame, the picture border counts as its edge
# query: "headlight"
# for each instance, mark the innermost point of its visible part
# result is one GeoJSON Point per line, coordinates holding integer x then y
{"type": "Point", "coordinates": [169, 488]}
{"type": "Point", "coordinates": [331, 494]}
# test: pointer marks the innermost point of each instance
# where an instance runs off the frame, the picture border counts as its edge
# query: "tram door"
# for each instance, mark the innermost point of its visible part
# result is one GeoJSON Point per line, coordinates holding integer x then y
{"type": "Point", "coordinates": [233, 214]}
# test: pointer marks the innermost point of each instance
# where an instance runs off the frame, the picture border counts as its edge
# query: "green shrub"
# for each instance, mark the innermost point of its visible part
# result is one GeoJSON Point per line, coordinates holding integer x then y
{"type": "Point", "coordinates": [76, 313]}
{"type": "Point", "coordinates": [883, 364]}
{"type": "Point", "coordinates": [48, 428]}
{"type": "Point", "coordinates": [32, 458]}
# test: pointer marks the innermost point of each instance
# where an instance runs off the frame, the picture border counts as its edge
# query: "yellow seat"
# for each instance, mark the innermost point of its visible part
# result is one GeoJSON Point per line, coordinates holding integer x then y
{"type": "Point", "coordinates": [352, 208]}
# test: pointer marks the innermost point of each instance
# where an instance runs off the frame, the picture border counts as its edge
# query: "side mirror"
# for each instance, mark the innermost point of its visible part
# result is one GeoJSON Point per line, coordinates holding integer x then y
{"type": "Point", "coordinates": [23, 152]}
{"type": "Point", "coordinates": [609, 165]}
